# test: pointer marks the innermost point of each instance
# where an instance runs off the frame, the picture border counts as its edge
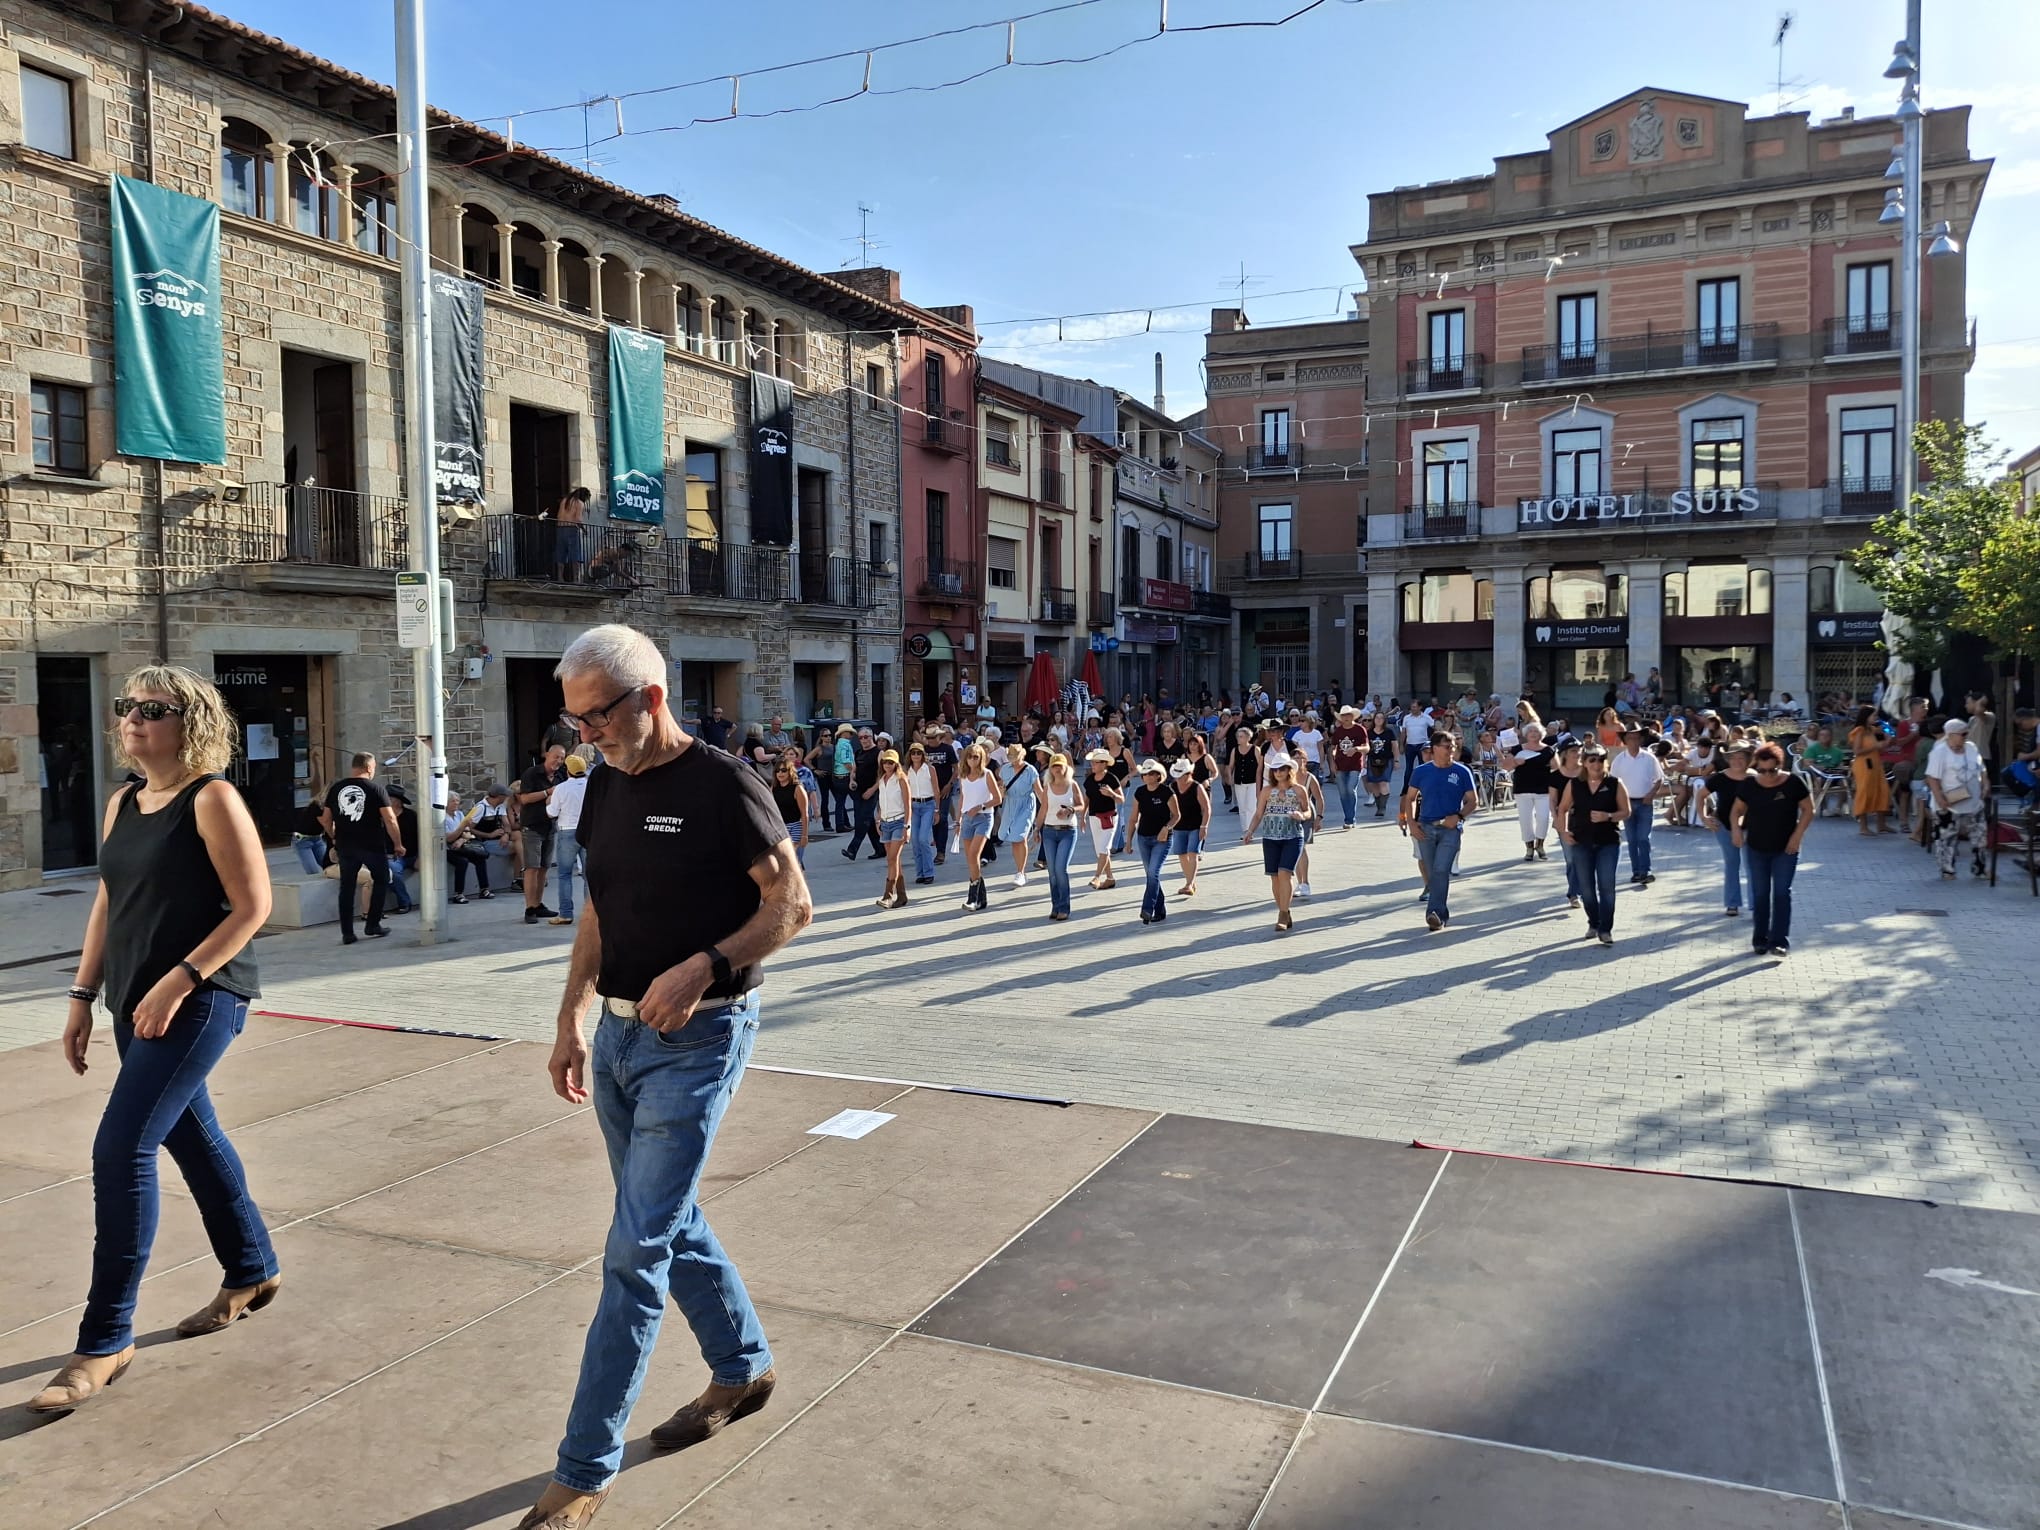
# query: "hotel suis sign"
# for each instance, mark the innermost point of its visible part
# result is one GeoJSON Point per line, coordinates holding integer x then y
{"type": "Point", "coordinates": [1679, 507]}
{"type": "Point", "coordinates": [1591, 632]}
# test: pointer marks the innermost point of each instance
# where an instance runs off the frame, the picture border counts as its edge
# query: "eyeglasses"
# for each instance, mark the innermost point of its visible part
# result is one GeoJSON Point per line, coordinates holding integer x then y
{"type": "Point", "coordinates": [151, 711]}
{"type": "Point", "coordinates": [599, 717]}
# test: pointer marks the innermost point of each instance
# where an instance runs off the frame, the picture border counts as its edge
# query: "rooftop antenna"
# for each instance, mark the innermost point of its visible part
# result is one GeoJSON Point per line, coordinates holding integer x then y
{"type": "Point", "coordinates": [862, 239]}
{"type": "Point", "coordinates": [1778, 42]}
{"type": "Point", "coordinates": [1242, 281]}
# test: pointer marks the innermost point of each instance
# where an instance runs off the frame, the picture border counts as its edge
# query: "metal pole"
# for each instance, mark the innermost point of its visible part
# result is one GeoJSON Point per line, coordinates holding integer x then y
{"type": "Point", "coordinates": [414, 226]}
{"type": "Point", "coordinates": [1909, 281]}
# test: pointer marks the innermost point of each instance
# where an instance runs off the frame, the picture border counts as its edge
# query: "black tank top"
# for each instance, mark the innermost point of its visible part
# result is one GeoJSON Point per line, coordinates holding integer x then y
{"type": "Point", "coordinates": [163, 900]}
{"type": "Point", "coordinates": [1246, 766]}
{"type": "Point", "coordinates": [1189, 811]}
{"type": "Point", "coordinates": [787, 795]}
{"type": "Point", "coordinates": [1584, 801]}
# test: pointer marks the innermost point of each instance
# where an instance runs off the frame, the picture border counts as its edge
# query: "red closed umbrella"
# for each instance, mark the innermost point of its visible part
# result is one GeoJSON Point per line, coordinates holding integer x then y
{"type": "Point", "coordinates": [1090, 677]}
{"type": "Point", "coordinates": [1041, 686]}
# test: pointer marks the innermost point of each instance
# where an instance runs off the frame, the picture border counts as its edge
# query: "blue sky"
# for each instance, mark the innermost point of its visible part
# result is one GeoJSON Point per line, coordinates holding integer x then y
{"type": "Point", "coordinates": [1151, 177]}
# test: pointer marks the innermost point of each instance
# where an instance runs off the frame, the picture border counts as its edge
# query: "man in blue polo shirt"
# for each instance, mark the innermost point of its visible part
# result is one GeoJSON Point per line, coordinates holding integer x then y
{"type": "Point", "coordinates": [1435, 806]}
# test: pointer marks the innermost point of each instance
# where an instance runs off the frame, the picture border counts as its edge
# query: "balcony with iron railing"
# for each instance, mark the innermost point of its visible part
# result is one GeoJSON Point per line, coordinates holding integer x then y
{"type": "Point", "coordinates": [1455, 521]}
{"type": "Point", "coordinates": [1673, 350]}
{"type": "Point", "coordinates": [585, 561]}
{"type": "Point", "coordinates": [702, 568]}
{"type": "Point", "coordinates": [1058, 605]}
{"type": "Point", "coordinates": [301, 525]}
{"type": "Point", "coordinates": [1862, 334]}
{"type": "Point", "coordinates": [845, 584]}
{"type": "Point", "coordinates": [1210, 603]}
{"type": "Point", "coordinates": [945, 431]}
{"type": "Point", "coordinates": [1272, 565]}
{"type": "Point", "coordinates": [949, 579]}
{"type": "Point", "coordinates": [1445, 374]}
{"type": "Point", "coordinates": [1858, 498]}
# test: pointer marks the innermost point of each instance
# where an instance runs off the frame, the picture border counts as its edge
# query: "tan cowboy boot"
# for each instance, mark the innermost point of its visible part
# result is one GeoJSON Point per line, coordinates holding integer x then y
{"type": "Point", "coordinates": [562, 1508]}
{"type": "Point", "coordinates": [83, 1376]}
{"type": "Point", "coordinates": [709, 1412]}
{"type": "Point", "coordinates": [225, 1308]}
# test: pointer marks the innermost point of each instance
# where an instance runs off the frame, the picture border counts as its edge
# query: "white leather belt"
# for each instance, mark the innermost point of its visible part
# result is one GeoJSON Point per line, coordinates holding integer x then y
{"type": "Point", "coordinates": [628, 1008]}
{"type": "Point", "coordinates": [624, 1007]}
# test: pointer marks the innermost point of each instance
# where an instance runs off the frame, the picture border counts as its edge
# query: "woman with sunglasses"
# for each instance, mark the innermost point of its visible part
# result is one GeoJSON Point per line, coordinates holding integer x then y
{"type": "Point", "coordinates": [890, 804]}
{"type": "Point", "coordinates": [792, 798]}
{"type": "Point", "coordinates": [1154, 811]}
{"type": "Point", "coordinates": [978, 796]}
{"type": "Point", "coordinates": [1102, 802]}
{"type": "Point", "coordinates": [1283, 810]}
{"type": "Point", "coordinates": [183, 887]}
{"type": "Point", "coordinates": [1769, 822]}
{"type": "Point", "coordinates": [924, 793]}
{"type": "Point", "coordinates": [1565, 769]}
{"type": "Point", "coordinates": [1017, 816]}
{"type": "Point", "coordinates": [1590, 817]}
{"type": "Point", "coordinates": [1724, 790]}
{"type": "Point", "coordinates": [1059, 803]}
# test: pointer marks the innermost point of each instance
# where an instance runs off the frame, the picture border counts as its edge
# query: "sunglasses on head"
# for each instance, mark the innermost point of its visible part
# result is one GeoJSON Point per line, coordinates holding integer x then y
{"type": "Point", "coordinates": [152, 711]}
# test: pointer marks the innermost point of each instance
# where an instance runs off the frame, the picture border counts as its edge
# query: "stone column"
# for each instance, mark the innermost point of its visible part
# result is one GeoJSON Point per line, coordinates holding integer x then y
{"type": "Point", "coordinates": [552, 272]}
{"type": "Point", "coordinates": [1508, 639]}
{"type": "Point", "coordinates": [1791, 663]}
{"type": "Point", "coordinates": [637, 298]}
{"type": "Point", "coordinates": [1385, 669]}
{"type": "Point", "coordinates": [595, 286]}
{"type": "Point", "coordinates": [1646, 622]}
{"type": "Point", "coordinates": [704, 337]}
{"type": "Point", "coordinates": [505, 232]}
{"type": "Point", "coordinates": [279, 166]}
{"type": "Point", "coordinates": [676, 330]}
{"type": "Point", "coordinates": [350, 220]}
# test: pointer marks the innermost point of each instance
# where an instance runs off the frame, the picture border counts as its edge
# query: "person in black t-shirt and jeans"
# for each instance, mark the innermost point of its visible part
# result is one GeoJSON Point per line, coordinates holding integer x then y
{"type": "Point", "coordinates": [362, 826]}
{"type": "Point", "coordinates": [1768, 822]}
{"type": "Point", "coordinates": [536, 829]}
{"type": "Point", "coordinates": [692, 883]}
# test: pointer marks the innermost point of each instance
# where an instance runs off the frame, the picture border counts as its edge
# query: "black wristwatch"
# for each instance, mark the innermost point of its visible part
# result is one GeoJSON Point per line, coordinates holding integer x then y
{"type": "Point", "coordinates": [719, 965]}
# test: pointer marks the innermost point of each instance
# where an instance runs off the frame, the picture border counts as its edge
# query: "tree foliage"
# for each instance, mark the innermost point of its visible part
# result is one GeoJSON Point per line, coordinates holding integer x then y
{"type": "Point", "coordinates": [1918, 553]}
{"type": "Point", "coordinates": [2001, 589]}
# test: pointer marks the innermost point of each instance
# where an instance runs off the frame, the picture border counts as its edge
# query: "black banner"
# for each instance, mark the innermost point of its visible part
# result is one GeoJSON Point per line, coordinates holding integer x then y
{"type": "Point", "coordinates": [457, 424]}
{"type": "Point", "coordinates": [771, 461]}
{"type": "Point", "coordinates": [1845, 628]}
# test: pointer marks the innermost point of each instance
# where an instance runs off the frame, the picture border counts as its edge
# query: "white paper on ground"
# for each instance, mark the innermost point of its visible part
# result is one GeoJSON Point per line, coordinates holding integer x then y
{"type": "Point", "coordinates": [851, 1123]}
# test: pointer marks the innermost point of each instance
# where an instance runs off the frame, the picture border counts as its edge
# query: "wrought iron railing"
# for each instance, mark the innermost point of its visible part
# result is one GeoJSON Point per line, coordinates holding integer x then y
{"type": "Point", "coordinates": [1445, 374]}
{"type": "Point", "coordinates": [945, 431]}
{"type": "Point", "coordinates": [1455, 521]}
{"type": "Point", "coordinates": [835, 581]}
{"type": "Point", "coordinates": [1210, 603]}
{"type": "Point", "coordinates": [1862, 334]}
{"type": "Point", "coordinates": [297, 523]}
{"type": "Point", "coordinates": [1843, 497]}
{"type": "Point", "coordinates": [1058, 605]}
{"type": "Point", "coordinates": [1657, 351]}
{"type": "Point", "coordinates": [948, 579]}
{"type": "Point", "coordinates": [599, 555]}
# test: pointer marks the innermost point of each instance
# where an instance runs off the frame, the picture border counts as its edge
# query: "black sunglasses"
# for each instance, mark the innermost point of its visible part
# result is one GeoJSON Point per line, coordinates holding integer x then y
{"type": "Point", "coordinates": [152, 711]}
{"type": "Point", "coordinates": [599, 716]}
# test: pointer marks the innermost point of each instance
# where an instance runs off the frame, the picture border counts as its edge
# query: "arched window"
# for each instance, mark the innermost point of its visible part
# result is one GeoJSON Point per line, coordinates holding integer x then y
{"type": "Point", "coordinates": [375, 208]}
{"type": "Point", "coordinates": [574, 276]}
{"type": "Point", "coordinates": [527, 261]}
{"type": "Point", "coordinates": [616, 276]}
{"type": "Point", "coordinates": [247, 174]}
{"type": "Point", "coordinates": [314, 194]}
{"type": "Point", "coordinates": [690, 317]}
{"type": "Point", "coordinates": [723, 316]}
{"type": "Point", "coordinates": [757, 337]}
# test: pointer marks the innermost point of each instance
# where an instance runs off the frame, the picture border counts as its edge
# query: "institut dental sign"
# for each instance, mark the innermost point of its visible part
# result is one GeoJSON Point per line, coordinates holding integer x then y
{"type": "Point", "coordinates": [1681, 505]}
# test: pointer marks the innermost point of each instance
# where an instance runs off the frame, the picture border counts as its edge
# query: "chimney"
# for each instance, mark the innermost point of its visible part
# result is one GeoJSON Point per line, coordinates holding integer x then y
{"type": "Point", "coordinates": [1228, 321]}
{"type": "Point", "coordinates": [1161, 403]}
{"type": "Point", "coordinates": [875, 281]}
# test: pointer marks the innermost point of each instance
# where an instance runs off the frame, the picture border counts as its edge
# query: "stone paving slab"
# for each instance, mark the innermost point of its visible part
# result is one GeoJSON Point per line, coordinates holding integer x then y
{"type": "Point", "coordinates": [1850, 1066]}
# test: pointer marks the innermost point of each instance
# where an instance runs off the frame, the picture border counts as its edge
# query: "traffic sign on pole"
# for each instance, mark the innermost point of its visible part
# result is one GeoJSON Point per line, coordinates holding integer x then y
{"type": "Point", "coordinates": [414, 610]}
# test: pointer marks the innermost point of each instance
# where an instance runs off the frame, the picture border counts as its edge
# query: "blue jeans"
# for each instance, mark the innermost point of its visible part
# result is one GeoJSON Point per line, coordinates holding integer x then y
{"type": "Point", "coordinates": [1771, 873]}
{"type": "Point", "coordinates": [923, 836]}
{"type": "Point", "coordinates": [1594, 867]}
{"type": "Point", "coordinates": [159, 1101]}
{"type": "Point", "coordinates": [400, 894]}
{"type": "Point", "coordinates": [1731, 868]}
{"type": "Point", "coordinates": [865, 823]}
{"type": "Point", "coordinates": [837, 801]}
{"type": "Point", "coordinates": [1154, 855]}
{"type": "Point", "coordinates": [1349, 795]}
{"type": "Point", "coordinates": [1055, 849]}
{"type": "Point", "coordinates": [308, 849]}
{"type": "Point", "coordinates": [566, 861]}
{"type": "Point", "coordinates": [1436, 851]}
{"type": "Point", "coordinates": [659, 1097]}
{"type": "Point", "coordinates": [1636, 830]}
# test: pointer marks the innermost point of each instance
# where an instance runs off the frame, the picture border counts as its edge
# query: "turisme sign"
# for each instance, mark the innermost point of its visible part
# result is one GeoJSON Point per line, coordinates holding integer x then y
{"type": "Point", "coordinates": [1681, 506]}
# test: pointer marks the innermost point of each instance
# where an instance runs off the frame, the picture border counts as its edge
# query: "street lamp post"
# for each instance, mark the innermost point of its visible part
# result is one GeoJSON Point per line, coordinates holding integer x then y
{"type": "Point", "coordinates": [1905, 65]}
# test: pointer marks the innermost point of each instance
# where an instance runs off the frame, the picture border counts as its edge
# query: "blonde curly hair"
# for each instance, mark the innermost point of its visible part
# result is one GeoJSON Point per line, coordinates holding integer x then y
{"type": "Point", "coordinates": [210, 732]}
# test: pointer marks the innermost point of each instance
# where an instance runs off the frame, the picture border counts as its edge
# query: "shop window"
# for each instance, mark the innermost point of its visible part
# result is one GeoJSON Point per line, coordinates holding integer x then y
{"type": "Point", "coordinates": [1719, 589]}
{"type": "Point", "coordinates": [1839, 588]}
{"type": "Point", "coordinates": [1448, 598]}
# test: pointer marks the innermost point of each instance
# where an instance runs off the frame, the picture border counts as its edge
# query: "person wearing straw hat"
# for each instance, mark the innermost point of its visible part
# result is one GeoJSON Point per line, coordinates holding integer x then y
{"type": "Point", "coordinates": [892, 804]}
{"type": "Point", "coordinates": [1102, 802]}
{"type": "Point", "coordinates": [1193, 812]}
{"type": "Point", "coordinates": [1282, 811]}
{"type": "Point", "coordinates": [1155, 811]}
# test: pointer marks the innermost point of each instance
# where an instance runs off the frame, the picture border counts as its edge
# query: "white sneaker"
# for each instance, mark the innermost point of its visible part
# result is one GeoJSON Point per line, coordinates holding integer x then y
{"type": "Point", "coordinates": [1303, 891]}
{"type": "Point", "coordinates": [1020, 879]}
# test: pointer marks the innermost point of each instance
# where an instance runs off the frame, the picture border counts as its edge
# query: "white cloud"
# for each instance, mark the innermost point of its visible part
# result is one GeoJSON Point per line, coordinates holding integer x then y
{"type": "Point", "coordinates": [1998, 108]}
{"type": "Point", "coordinates": [2020, 179]}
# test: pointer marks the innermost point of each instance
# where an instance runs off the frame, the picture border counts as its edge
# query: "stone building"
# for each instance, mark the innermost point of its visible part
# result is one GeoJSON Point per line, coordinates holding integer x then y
{"type": "Point", "coordinates": [1633, 400]}
{"type": "Point", "coordinates": [273, 570]}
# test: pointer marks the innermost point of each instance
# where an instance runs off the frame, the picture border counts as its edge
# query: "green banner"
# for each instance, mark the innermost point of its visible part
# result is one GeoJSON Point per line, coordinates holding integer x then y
{"type": "Point", "coordinates": [637, 426]}
{"type": "Point", "coordinates": [168, 368]}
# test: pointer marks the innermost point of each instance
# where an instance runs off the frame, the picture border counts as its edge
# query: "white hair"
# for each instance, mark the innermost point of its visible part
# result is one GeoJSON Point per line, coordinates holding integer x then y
{"type": "Point", "coordinates": [1533, 728]}
{"type": "Point", "coordinates": [620, 654]}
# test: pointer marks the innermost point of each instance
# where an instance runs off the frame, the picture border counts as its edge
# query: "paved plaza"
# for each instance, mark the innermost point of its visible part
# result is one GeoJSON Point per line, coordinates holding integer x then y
{"type": "Point", "coordinates": [1896, 1052]}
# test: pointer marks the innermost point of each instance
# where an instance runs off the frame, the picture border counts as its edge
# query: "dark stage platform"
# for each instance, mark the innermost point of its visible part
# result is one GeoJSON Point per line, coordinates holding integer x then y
{"type": "Point", "coordinates": [991, 1312]}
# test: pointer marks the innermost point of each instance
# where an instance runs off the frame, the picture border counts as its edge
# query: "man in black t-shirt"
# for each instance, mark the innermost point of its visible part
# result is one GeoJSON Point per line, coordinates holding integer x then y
{"type": "Point", "coordinates": [863, 799]}
{"type": "Point", "coordinates": [536, 828]}
{"type": "Point", "coordinates": [362, 827]}
{"type": "Point", "coordinates": [691, 885]}
{"type": "Point", "coordinates": [940, 748]}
